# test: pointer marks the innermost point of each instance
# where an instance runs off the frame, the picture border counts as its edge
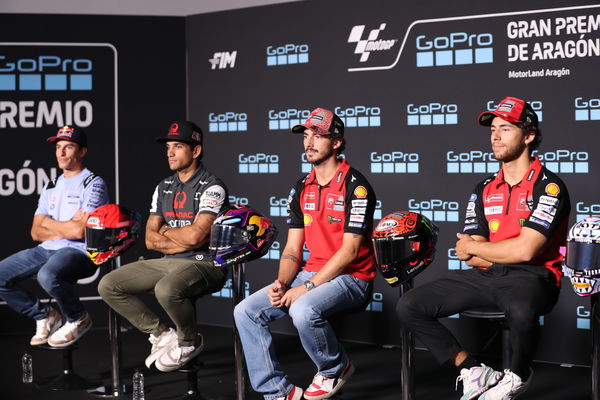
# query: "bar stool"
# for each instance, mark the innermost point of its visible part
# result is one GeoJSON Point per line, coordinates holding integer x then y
{"type": "Point", "coordinates": [500, 317]}
{"type": "Point", "coordinates": [68, 380]}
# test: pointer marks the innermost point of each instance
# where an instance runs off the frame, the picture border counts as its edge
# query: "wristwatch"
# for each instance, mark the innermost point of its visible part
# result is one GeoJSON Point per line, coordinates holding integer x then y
{"type": "Point", "coordinates": [308, 285]}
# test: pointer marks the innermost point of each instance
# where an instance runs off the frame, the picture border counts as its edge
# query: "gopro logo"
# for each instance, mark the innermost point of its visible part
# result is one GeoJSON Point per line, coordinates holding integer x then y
{"type": "Point", "coordinates": [376, 304]}
{"type": "Point", "coordinates": [583, 317]}
{"type": "Point", "coordinates": [587, 110]}
{"type": "Point", "coordinates": [49, 73]}
{"type": "Point", "coordinates": [286, 119]}
{"type": "Point", "coordinates": [565, 161]}
{"type": "Point", "coordinates": [474, 161]}
{"type": "Point", "coordinates": [274, 252]}
{"type": "Point", "coordinates": [377, 214]}
{"type": "Point", "coordinates": [457, 48]}
{"type": "Point", "coordinates": [260, 163]}
{"type": "Point", "coordinates": [453, 262]}
{"type": "Point", "coordinates": [223, 59]}
{"type": "Point", "coordinates": [364, 47]}
{"type": "Point", "coordinates": [227, 290]}
{"type": "Point", "coordinates": [432, 114]}
{"type": "Point", "coordinates": [359, 116]}
{"type": "Point", "coordinates": [584, 211]}
{"type": "Point", "coordinates": [227, 122]}
{"type": "Point", "coordinates": [535, 104]}
{"type": "Point", "coordinates": [306, 166]}
{"type": "Point", "coordinates": [395, 162]}
{"type": "Point", "coordinates": [278, 207]}
{"type": "Point", "coordinates": [435, 209]}
{"type": "Point", "coordinates": [287, 54]}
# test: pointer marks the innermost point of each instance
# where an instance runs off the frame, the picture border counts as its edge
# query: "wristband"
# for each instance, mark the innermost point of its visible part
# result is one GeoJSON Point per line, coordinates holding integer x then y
{"type": "Point", "coordinates": [164, 229]}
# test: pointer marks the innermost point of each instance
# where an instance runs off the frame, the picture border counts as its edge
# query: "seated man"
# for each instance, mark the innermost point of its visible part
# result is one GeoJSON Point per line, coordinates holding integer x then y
{"type": "Point", "coordinates": [184, 206]}
{"type": "Point", "coordinates": [60, 260]}
{"type": "Point", "coordinates": [331, 210]}
{"type": "Point", "coordinates": [516, 221]}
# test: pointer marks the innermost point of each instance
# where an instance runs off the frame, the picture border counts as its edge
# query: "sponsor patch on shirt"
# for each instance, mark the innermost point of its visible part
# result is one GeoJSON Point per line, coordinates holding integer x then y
{"type": "Point", "coordinates": [357, 218]}
{"type": "Point", "coordinates": [360, 192]}
{"type": "Point", "coordinates": [494, 224]}
{"type": "Point", "coordinates": [359, 203]}
{"type": "Point", "coordinates": [356, 225]}
{"type": "Point", "coordinates": [471, 226]}
{"type": "Point", "coordinates": [551, 201]}
{"type": "Point", "coordinates": [542, 215]}
{"type": "Point", "coordinates": [331, 219]}
{"type": "Point", "coordinates": [473, 197]}
{"type": "Point", "coordinates": [334, 202]}
{"type": "Point", "coordinates": [492, 198]}
{"type": "Point", "coordinates": [309, 206]}
{"type": "Point", "coordinates": [539, 222]}
{"type": "Point", "coordinates": [212, 199]}
{"type": "Point", "coordinates": [471, 214]}
{"type": "Point", "coordinates": [358, 210]}
{"type": "Point", "coordinates": [552, 189]}
{"type": "Point", "coordinates": [547, 209]}
{"type": "Point", "coordinates": [307, 219]}
{"type": "Point", "coordinates": [493, 210]}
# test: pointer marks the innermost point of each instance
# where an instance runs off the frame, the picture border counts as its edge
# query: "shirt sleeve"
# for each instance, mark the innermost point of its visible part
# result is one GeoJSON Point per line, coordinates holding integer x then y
{"type": "Point", "coordinates": [95, 194]}
{"type": "Point", "coordinates": [156, 203]}
{"type": "Point", "coordinates": [551, 204]}
{"type": "Point", "coordinates": [359, 205]}
{"type": "Point", "coordinates": [295, 216]}
{"type": "Point", "coordinates": [212, 200]}
{"type": "Point", "coordinates": [475, 221]}
{"type": "Point", "coordinates": [42, 207]}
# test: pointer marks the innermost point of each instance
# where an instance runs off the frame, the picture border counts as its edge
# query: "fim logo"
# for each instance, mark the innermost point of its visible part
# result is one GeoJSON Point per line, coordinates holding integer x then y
{"type": "Point", "coordinates": [535, 104]}
{"type": "Point", "coordinates": [376, 304]}
{"type": "Point", "coordinates": [364, 47]}
{"type": "Point", "coordinates": [395, 162]}
{"type": "Point", "coordinates": [359, 116]}
{"type": "Point", "coordinates": [227, 122]}
{"type": "Point", "coordinates": [223, 59]}
{"type": "Point", "coordinates": [285, 119]}
{"type": "Point", "coordinates": [584, 211]}
{"type": "Point", "coordinates": [287, 54]}
{"type": "Point", "coordinates": [432, 114]}
{"type": "Point", "coordinates": [457, 48]}
{"type": "Point", "coordinates": [227, 290]}
{"type": "Point", "coordinates": [583, 317]}
{"type": "Point", "coordinates": [453, 262]}
{"type": "Point", "coordinates": [49, 73]}
{"type": "Point", "coordinates": [436, 209]}
{"type": "Point", "coordinates": [587, 110]}
{"type": "Point", "coordinates": [278, 207]}
{"type": "Point", "coordinates": [474, 161]}
{"type": "Point", "coordinates": [260, 163]}
{"type": "Point", "coordinates": [274, 252]}
{"type": "Point", "coordinates": [565, 161]}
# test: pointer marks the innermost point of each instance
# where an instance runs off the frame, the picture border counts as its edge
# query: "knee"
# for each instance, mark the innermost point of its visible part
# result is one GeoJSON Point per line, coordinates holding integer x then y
{"type": "Point", "coordinates": [107, 286]}
{"type": "Point", "coordinates": [240, 312]}
{"type": "Point", "coordinates": [46, 278]}
{"type": "Point", "coordinates": [406, 308]}
{"type": "Point", "coordinates": [304, 316]}
{"type": "Point", "coordinates": [521, 316]}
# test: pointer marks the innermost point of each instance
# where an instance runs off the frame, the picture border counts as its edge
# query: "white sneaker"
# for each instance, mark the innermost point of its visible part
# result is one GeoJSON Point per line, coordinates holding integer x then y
{"type": "Point", "coordinates": [294, 394]}
{"type": "Point", "coordinates": [177, 356]}
{"type": "Point", "coordinates": [46, 327]}
{"type": "Point", "coordinates": [70, 332]}
{"type": "Point", "coordinates": [159, 344]}
{"type": "Point", "coordinates": [508, 388]}
{"type": "Point", "coordinates": [477, 380]}
{"type": "Point", "coordinates": [323, 387]}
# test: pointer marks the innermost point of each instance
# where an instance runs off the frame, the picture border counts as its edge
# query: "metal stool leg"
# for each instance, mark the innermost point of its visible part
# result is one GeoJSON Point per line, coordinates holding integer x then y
{"type": "Point", "coordinates": [238, 295]}
{"type": "Point", "coordinates": [595, 348]}
{"type": "Point", "coordinates": [407, 373]}
{"type": "Point", "coordinates": [68, 380]}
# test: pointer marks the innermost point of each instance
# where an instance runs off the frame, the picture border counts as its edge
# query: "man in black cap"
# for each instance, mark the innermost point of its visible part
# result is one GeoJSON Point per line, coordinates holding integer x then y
{"type": "Point", "coordinates": [184, 206]}
{"type": "Point", "coordinates": [60, 259]}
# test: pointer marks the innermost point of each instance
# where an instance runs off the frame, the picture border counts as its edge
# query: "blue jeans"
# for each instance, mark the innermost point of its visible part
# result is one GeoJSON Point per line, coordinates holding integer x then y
{"type": "Point", "coordinates": [309, 314]}
{"type": "Point", "coordinates": [56, 271]}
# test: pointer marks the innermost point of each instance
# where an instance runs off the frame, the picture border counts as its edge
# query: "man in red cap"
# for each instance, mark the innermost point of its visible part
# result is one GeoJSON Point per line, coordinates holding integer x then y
{"type": "Point", "coordinates": [331, 211]}
{"type": "Point", "coordinates": [61, 259]}
{"type": "Point", "coordinates": [516, 220]}
{"type": "Point", "coordinates": [184, 206]}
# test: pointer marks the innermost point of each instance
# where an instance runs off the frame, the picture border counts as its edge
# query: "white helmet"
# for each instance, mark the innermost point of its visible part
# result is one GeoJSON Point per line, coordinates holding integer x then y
{"type": "Point", "coordinates": [582, 261]}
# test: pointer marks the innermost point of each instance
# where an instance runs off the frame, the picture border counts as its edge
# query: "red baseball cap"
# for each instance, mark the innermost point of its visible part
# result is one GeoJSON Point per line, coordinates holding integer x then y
{"type": "Point", "coordinates": [322, 122]}
{"type": "Point", "coordinates": [70, 133]}
{"type": "Point", "coordinates": [512, 110]}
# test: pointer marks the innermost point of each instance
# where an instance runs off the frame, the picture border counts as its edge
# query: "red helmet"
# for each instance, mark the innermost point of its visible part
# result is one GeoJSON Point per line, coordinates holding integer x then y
{"type": "Point", "coordinates": [109, 231]}
{"type": "Point", "coordinates": [404, 245]}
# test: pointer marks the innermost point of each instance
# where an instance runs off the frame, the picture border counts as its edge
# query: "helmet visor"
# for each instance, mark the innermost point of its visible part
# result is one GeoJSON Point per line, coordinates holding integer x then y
{"type": "Point", "coordinates": [100, 239]}
{"type": "Point", "coordinates": [223, 237]}
{"type": "Point", "coordinates": [583, 256]}
{"type": "Point", "coordinates": [389, 251]}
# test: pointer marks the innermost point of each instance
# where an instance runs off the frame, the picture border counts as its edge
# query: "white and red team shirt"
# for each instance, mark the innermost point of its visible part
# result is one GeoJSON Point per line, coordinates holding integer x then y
{"type": "Point", "coordinates": [344, 205]}
{"type": "Point", "coordinates": [540, 201]}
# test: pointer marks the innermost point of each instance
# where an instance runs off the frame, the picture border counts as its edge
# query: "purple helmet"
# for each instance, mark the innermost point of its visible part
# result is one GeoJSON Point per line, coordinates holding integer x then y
{"type": "Point", "coordinates": [240, 234]}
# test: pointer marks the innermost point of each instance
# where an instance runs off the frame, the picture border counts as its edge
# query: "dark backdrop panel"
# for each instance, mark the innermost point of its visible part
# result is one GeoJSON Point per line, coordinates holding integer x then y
{"type": "Point", "coordinates": [129, 71]}
{"type": "Point", "coordinates": [410, 81]}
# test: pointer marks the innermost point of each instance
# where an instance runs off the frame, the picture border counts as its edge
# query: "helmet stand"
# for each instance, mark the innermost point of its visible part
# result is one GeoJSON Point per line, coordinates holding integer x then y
{"type": "Point", "coordinates": [238, 295]}
{"type": "Point", "coordinates": [407, 342]}
{"type": "Point", "coordinates": [595, 346]}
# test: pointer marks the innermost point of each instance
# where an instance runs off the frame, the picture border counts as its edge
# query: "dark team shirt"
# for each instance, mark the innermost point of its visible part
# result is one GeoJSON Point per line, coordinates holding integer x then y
{"type": "Point", "coordinates": [346, 204]}
{"type": "Point", "coordinates": [540, 201]}
{"type": "Point", "coordinates": [179, 203]}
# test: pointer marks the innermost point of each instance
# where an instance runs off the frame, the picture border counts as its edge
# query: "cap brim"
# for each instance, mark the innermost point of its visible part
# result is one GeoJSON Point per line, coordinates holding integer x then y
{"type": "Point", "coordinates": [171, 139]}
{"type": "Point", "coordinates": [301, 128]}
{"type": "Point", "coordinates": [57, 138]}
{"type": "Point", "coordinates": [486, 118]}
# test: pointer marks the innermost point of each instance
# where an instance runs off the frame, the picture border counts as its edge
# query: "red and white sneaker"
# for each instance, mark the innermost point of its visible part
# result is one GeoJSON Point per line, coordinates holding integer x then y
{"type": "Point", "coordinates": [323, 387]}
{"type": "Point", "coordinates": [294, 394]}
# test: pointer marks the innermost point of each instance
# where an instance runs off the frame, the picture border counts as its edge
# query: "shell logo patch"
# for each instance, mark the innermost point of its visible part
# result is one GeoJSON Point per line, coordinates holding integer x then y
{"type": "Point", "coordinates": [307, 220]}
{"type": "Point", "coordinates": [552, 189]}
{"type": "Point", "coordinates": [494, 225]}
{"type": "Point", "coordinates": [360, 192]}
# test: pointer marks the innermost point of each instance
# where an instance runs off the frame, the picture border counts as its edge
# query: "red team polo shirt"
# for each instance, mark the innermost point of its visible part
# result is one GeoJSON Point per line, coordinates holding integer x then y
{"type": "Point", "coordinates": [345, 204]}
{"type": "Point", "coordinates": [539, 201]}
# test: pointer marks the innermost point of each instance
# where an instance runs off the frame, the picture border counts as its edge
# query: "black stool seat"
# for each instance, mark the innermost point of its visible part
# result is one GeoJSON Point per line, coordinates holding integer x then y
{"type": "Point", "coordinates": [68, 380]}
{"type": "Point", "coordinates": [484, 313]}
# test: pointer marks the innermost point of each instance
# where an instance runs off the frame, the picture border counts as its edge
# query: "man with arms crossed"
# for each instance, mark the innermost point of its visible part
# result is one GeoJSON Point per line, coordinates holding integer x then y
{"type": "Point", "coordinates": [516, 221]}
{"type": "Point", "coordinates": [331, 210]}
{"type": "Point", "coordinates": [184, 206]}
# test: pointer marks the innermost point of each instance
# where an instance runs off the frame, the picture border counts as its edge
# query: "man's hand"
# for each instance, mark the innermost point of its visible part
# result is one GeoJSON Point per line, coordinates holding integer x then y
{"type": "Point", "coordinates": [292, 295]}
{"type": "Point", "coordinates": [461, 248]}
{"type": "Point", "coordinates": [80, 215]}
{"type": "Point", "coordinates": [276, 292]}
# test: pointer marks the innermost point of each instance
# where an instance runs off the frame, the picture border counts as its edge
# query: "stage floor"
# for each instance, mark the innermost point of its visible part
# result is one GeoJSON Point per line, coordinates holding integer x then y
{"type": "Point", "coordinates": [377, 373]}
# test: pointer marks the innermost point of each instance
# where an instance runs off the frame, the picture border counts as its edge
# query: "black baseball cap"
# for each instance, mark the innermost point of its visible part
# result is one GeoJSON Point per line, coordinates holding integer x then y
{"type": "Point", "coordinates": [183, 131]}
{"type": "Point", "coordinates": [70, 133]}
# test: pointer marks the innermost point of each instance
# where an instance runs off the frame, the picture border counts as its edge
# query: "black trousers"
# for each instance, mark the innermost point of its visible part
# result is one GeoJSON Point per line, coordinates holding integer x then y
{"type": "Point", "coordinates": [523, 292]}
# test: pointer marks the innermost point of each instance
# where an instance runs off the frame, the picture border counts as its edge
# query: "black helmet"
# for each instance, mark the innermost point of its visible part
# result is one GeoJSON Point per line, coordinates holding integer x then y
{"type": "Point", "coordinates": [240, 234]}
{"type": "Point", "coordinates": [404, 244]}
